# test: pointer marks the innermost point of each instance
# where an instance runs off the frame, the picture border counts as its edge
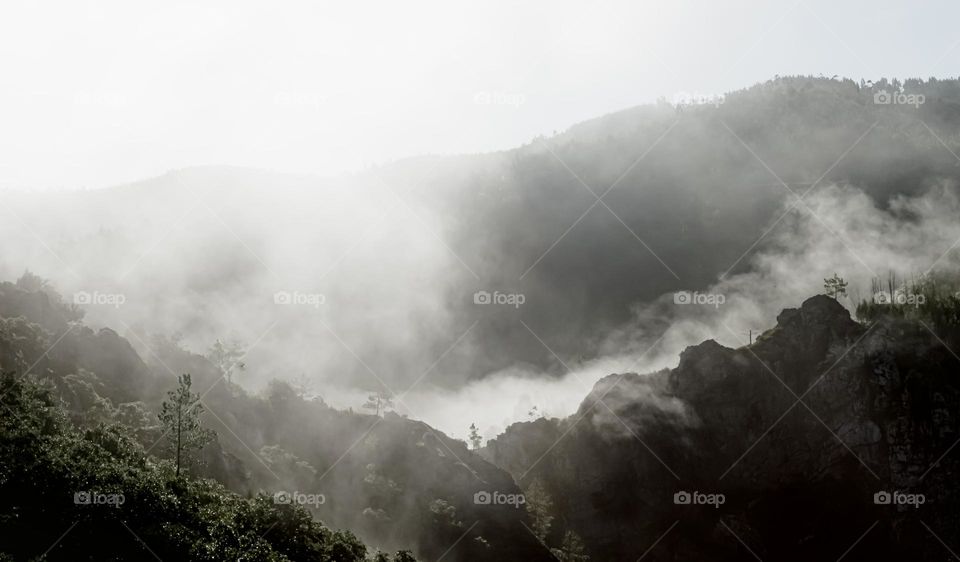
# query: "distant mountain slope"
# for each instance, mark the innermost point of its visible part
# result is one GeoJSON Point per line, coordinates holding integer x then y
{"type": "Point", "coordinates": [880, 412]}
{"type": "Point", "coordinates": [694, 189]}
{"type": "Point", "coordinates": [691, 191]}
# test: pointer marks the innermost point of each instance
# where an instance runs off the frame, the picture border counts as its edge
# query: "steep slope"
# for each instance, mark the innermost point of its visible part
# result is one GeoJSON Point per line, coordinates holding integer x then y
{"type": "Point", "coordinates": [797, 431]}
{"type": "Point", "coordinates": [93, 494]}
{"type": "Point", "coordinates": [398, 483]}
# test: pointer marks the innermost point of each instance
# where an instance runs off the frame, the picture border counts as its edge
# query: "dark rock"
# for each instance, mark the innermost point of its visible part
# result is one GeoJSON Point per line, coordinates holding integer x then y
{"type": "Point", "coordinates": [879, 408]}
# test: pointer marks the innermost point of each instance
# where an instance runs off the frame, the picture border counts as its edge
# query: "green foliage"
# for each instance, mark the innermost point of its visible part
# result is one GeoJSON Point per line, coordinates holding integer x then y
{"type": "Point", "coordinates": [180, 417]}
{"type": "Point", "coordinates": [46, 467]}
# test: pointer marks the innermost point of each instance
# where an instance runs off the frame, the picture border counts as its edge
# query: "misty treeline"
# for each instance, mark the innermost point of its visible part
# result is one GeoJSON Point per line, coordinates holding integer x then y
{"type": "Point", "coordinates": [70, 437]}
{"type": "Point", "coordinates": [198, 462]}
{"type": "Point", "coordinates": [698, 199]}
{"type": "Point", "coordinates": [217, 243]}
{"type": "Point", "coordinates": [933, 298]}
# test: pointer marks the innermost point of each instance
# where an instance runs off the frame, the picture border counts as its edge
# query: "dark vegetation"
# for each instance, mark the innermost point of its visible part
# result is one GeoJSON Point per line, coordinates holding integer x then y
{"type": "Point", "coordinates": [885, 415]}
{"type": "Point", "coordinates": [83, 413]}
{"type": "Point", "coordinates": [933, 299]}
{"type": "Point", "coordinates": [51, 474]}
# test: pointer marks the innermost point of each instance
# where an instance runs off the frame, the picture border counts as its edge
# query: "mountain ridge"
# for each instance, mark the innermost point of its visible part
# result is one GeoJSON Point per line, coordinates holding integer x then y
{"type": "Point", "coordinates": [696, 190]}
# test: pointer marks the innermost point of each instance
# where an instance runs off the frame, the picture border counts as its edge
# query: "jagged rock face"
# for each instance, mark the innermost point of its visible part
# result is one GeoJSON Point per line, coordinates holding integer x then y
{"type": "Point", "coordinates": [879, 407]}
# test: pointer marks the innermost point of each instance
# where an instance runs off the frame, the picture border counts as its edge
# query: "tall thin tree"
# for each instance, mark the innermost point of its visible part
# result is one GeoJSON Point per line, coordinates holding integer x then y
{"type": "Point", "coordinates": [180, 417]}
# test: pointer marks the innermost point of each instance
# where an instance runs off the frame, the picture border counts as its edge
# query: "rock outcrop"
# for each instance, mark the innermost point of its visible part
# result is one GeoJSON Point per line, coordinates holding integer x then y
{"type": "Point", "coordinates": [797, 431]}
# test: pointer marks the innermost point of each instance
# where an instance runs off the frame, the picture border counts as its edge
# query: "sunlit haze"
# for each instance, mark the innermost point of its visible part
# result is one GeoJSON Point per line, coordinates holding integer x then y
{"type": "Point", "coordinates": [98, 93]}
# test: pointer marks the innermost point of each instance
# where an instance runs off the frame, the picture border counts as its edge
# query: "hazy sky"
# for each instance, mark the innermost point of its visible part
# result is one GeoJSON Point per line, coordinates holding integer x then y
{"type": "Point", "coordinates": [98, 93]}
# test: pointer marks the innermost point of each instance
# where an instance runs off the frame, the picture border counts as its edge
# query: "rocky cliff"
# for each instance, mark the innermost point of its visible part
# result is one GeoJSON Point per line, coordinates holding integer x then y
{"type": "Point", "coordinates": [786, 448]}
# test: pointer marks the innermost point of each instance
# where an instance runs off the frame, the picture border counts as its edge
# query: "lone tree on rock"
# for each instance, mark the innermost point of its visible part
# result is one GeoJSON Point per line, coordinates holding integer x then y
{"type": "Point", "coordinates": [835, 286]}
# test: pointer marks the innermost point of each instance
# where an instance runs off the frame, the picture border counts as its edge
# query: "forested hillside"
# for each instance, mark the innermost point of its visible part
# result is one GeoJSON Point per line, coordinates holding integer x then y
{"type": "Point", "coordinates": [82, 418]}
{"type": "Point", "coordinates": [191, 378]}
{"type": "Point", "coordinates": [690, 193]}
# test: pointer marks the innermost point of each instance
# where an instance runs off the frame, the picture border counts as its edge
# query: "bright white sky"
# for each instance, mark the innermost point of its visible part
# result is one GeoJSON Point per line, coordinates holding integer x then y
{"type": "Point", "coordinates": [99, 93]}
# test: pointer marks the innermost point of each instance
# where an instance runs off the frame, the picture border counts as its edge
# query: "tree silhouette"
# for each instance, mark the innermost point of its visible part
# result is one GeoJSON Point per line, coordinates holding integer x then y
{"type": "Point", "coordinates": [378, 402]}
{"type": "Point", "coordinates": [835, 286]}
{"type": "Point", "coordinates": [475, 438]}
{"type": "Point", "coordinates": [180, 417]}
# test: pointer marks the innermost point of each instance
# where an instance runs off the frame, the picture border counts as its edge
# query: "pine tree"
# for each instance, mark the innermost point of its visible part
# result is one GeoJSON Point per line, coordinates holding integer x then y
{"type": "Point", "coordinates": [378, 402]}
{"type": "Point", "coordinates": [835, 286]}
{"type": "Point", "coordinates": [475, 438]}
{"type": "Point", "coordinates": [180, 417]}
